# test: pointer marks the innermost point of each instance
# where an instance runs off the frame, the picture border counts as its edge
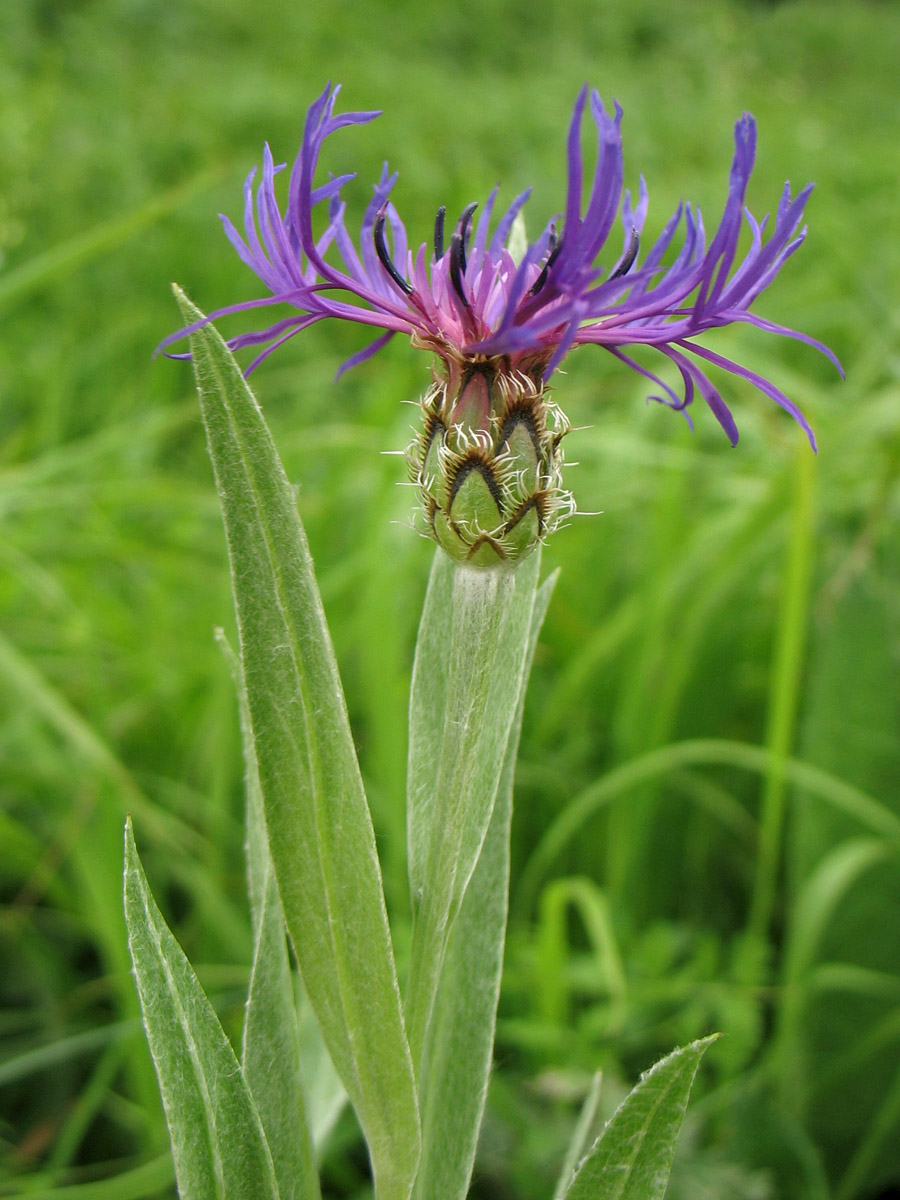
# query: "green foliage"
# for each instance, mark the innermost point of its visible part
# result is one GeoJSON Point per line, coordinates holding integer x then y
{"type": "Point", "coordinates": [218, 1142]}
{"type": "Point", "coordinates": [467, 682]}
{"type": "Point", "coordinates": [632, 1158]}
{"type": "Point", "coordinates": [458, 1049]}
{"type": "Point", "coordinates": [662, 634]}
{"type": "Point", "coordinates": [271, 1053]}
{"type": "Point", "coordinates": [320, 831]}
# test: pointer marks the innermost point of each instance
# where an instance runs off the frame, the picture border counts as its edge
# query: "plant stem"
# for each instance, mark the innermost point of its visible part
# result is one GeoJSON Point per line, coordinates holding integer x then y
{"type": "Point", "coordinates": [787, 670]}
{"type": "Point", "coordinates": [469, 674]}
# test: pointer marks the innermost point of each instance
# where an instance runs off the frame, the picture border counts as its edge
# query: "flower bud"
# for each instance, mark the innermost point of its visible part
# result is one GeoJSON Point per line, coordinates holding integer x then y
{"type": "Point", "coordinates": [487, 464]}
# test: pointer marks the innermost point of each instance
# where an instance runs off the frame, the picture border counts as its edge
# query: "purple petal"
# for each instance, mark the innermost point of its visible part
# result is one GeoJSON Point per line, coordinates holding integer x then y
{"type": "Point", "coordinates": [606, 193]}
{"type": "Point", "coordinates": [724, 245]}
{"type": "Point", "coordinates": [260, 358]}
{"type": "Point", "coordinates": [786, 331]}
{"type": "Point", "coordinates": [717, 406]}
{"type": "Point", "coordinates": [501, 233]}
{"type": "Point", "coordinates": [573, 155]}
{"type": "Point", "coordinates": [634, 218]}
{"type": "Point", "coordinates": [362, 355]}
{"type": "Point", "coordinates": [479, 241]}
{"type": "Point", "coordinates": [565, 342]}
{"type": "Point", "coordinates": [674, 401]}
{"type": "Point", "coordinates": [764, 385]}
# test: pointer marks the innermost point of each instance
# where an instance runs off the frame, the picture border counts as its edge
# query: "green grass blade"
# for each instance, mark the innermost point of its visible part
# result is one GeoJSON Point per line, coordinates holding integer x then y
{"type": "Point", "coordinates": [580, 1135]}
{"type": "Point", "coordinates": [590, 903]}
{"type": "Point", "coordinates": [75, 252]}
{"type": "Point", "coordinates": [822, 785]}
{"type": "Point", "coordinates": [632, 1158]}
{"type": "Point", "coordinates": [320, 830]}
{"type": "Point", "coordinates": [22, 678]}
{"type": "Point", "coordinates": [813, 914]}
{"type": "Point", "coordinates": [467, 679]}
{"type": "Point", "coordinates": [59, 1053]}
{"type": "Point", "coordinates": [784, 692]}
{"type": "Point", "coordinates": [149, 1180]}
{"type": "Point", "coordinates": [86, 1108]}
{"type": "Point", "coordinates": [218, 1145]}
{"type": "Point", "coordinates": [458, 1052]}
{"type": "Point", "coordinates": [857, 1178]}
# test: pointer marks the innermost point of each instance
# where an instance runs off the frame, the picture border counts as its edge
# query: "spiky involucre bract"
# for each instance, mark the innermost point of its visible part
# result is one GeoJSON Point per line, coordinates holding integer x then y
{"type": "Point", "coordinates": [491, 493]}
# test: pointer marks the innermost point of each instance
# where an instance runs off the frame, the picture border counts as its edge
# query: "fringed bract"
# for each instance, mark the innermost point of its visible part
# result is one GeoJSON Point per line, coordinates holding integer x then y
{"type": "Point", "coordinates": [491, 492]}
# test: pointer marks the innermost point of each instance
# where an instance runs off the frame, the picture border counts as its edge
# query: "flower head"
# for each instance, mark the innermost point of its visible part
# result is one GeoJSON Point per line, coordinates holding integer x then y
{"type": "Point", "coordinates": [500, 324]}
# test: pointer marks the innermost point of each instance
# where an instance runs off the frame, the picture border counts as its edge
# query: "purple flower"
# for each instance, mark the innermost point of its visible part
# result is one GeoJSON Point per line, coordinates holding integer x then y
{"type": "Point", "coordinates": [483, 312]}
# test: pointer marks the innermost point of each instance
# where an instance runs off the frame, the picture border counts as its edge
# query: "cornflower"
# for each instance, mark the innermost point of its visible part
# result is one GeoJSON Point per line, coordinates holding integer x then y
{"type": "Point", "coordinates": [488, 458]}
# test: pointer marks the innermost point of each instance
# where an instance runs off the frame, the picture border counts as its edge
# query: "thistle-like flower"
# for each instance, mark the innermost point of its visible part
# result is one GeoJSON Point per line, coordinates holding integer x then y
{"type": "Point", "coordinates": [488, 458]}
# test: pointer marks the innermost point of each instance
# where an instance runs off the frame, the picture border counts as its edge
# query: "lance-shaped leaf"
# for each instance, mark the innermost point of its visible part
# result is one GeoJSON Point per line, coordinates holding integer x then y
{"type": "Point", "coordinates": [467, 680]}
{"type": "Point", "coordinates": [270, 1055]}
{"type": "Point", "coordinates": [218, 1145]}
{"type": "Point", "coordinates": [320, 829]}
{"type": "Point", "coordinates": [632, 1158]}
{"type": "Point", "coordinates": [456, 1062]}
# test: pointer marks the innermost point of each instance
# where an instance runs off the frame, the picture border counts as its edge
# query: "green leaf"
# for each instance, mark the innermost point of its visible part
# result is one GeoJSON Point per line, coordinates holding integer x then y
{"type": "Point", "coordinates": [467, 682]}
{"type": "Point", "coordinates": [326, 1095]}
{"type": "Point", "coordinates": [320, 830]}
{"type": "Point", "coordinates": [632, 1158]}
{"type": "Point", "coordinates": [270, 1055]}
{"type": "Point", "coordinates": [286, 1063]}
{"type": "Point", "coordinates": [218, 1145]}
{"type": "Point", "coordinates": [456, 1062]}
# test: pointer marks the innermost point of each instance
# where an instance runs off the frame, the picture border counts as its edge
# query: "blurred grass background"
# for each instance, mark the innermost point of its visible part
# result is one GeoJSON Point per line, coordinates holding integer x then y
{"type": "Point", "coordinates": [708, 819]}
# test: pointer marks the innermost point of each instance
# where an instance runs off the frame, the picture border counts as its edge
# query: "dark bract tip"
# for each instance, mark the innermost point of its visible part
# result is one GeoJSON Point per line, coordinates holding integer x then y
{"type": "Point", "coordinates": [439, 233]}
{"type": "Point", "coordinates": [630, 255]}
{"type": "Point", "coordinates": [462, 230]}
{"type": "Point", "coordinates": [382, 251]}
